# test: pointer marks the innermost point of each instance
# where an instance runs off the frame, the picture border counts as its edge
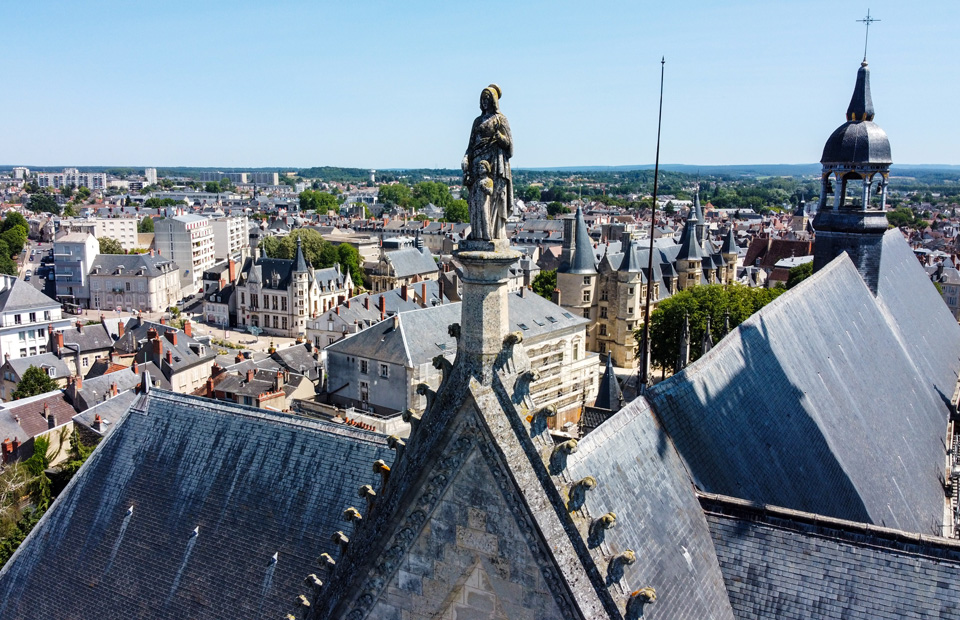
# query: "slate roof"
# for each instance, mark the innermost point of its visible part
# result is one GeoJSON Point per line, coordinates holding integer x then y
{"type": "Point", "coordinates": [609, 395]}
{"type": "Point", "coordinates": [859, 140]}
{"type": "Point", "coordinates": [422, 333]}
{"type": "Point", "coordinates": [583, 261]}
{"type": "Point", "coordinates": [254, 483]}
{"type": "Point", "coordinates": [407, 262]}
{"type": "Point", "coordinates": [783, 564]}
{"type": "Point", "coordinates": [44, 360]}
{"type": "Point", "coordinates": [22, 296]}
{"type": "Point", "coordinates": [641, 479]}
{"type": "Point", "coordinates": [295, 357]}
{"type": "Point", "coordinates": [30, 412]}
{"type": "Point", "coordinates": [88, 337]}
{"type": "Point", "coordinates": [689, 246]}
{"type": "Point", "coordinates": [795, 374]}
{"type": "Point", "coordinates": [133, 264]}
{"type": "Point", "coordinates": [110, 412]}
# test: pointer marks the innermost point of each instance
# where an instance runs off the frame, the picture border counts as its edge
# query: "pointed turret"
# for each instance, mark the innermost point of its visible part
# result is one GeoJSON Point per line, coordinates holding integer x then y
{"type": "Point", "coordinates": [861, 104]}
{"type": "Point", "coordinates": [689, 245]}
{"type": "Point", "coordinates": [683, 355]}
{"type": "Point", "coordinates": [582, 261]}
{"type": "Point", "coordinates": [609, 396]}
{"type": "Point", "coordinates": [300, 263]}
{"type": "Point", "coordinates": [707, 342]}
{"type": "Point", "coordinates": [698, 213]}
{"type": "Point", "coordinates": [631, 261]}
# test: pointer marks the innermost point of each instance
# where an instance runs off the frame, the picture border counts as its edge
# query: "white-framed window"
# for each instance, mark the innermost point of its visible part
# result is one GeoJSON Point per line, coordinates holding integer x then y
{"type": "Point", "coordinates": [384, 371]}
{"type": "Point", "coordinates": [586, 280]}
{"type": "Point", "coordinates": [586, 297]}
{"type": "Point", "coordinates": [364, 367]}
{"type": "Point", "coordinates": [86, 362]}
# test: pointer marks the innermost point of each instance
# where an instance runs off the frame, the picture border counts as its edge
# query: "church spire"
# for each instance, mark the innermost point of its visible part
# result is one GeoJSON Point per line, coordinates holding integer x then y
{"type": "Point", "coordinates": [300, 263]}
{"type": "Point", "coordinates": [583, 261]}
{"type": "Point", "coordinates": [861, 104]}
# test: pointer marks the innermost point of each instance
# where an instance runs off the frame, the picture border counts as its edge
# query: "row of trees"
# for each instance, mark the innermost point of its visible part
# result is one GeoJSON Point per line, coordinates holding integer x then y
{"type": "Point", "coordinates": [13, 236]}
{"type": "Point", "coordinates": [318, 251]}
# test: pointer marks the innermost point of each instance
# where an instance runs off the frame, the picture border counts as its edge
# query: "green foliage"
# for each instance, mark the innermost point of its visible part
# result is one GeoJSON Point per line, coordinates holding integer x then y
{"type": "Point", "coordinates": [321, 202]}
{"type": "Point", "coordinates": [66, 191]}
{"type": "Point", "coordinates": [556, 208]}
{"type": "Point", "coordinates": [434, 192]}
{"type": "Point", "coordinates": [397, 194]}
{"type": "Point", "coordinates": [83, 193]}
{"type": "Point", "coordinates": [798, 274]}
{"type": "Point", "coordinates": [666, 322]}
{"type": "Point", "coordinates": [457, 211]}
{"type": "Point", "coordinates": [544, 284]}
{"type": "Point", "coordinates": [905, 217]}
{"type": "Point", "coordinates": [26, 523]}
{"type": "Point", "coordinates": [145, 225]}
{"type": "Point", "coordinates": [15, 238]}
{"type": "Point", "coordinates": [44, 203]}
{"type": "Point", "coordinates": [14, 219]}
{"type": "Point", "coordinates": [158, 203]}
{"type": "Point", "coordinates": [69, 210]}
{"type": "Point", "coordinates": [212, 187]}
{"type": "Point", "coordinates": [37, 466]}
{"type": "Point", "coordinates": [319, 252]}
{"type": "Point", "coordinates": [34, 381]}
{"type": "Point", "coordinates": [530, 193]}
{"type": "Point", "coordinates": [7, 264]}
{"type": "Point", "coordinates": [110, 246]}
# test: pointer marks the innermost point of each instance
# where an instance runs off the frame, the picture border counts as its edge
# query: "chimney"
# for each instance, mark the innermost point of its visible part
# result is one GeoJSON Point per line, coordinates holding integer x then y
{"type": "Point", "coordinates": [338, 310]}
{"type": "Point", "coordinates": [135, 367]}
{"type": "Point", "coordinates": [78, 383]}
{"type": "Point", "coordinates": [423, 294]}
{"type": "Point", "coordinates": [98, 423]}
{"type": "Point", "coordinates": [79, 327]}
{"type": "Point", "coordinates": [171, 335]}
{"type": "Point", "coordinates": [187, 329]}
{"type": "Point", "coordinates": [6, 357]}
{"type": "Point", "coordinates": [403, 292]}
{"type": "Point", "coordinates": [151, 253]}
{"type": "Point", "coordinates": [58, 342]}
{"type": "Point", "coordinates": [396, 321]}
{"type": "Point", "coordinates": [555, 298]}
{"type": "Point", "coordinates": [238, 358]}
{"type": "Point", "coordinates": [249, 375]}
{"type": "Point", "coordinates": [46, 411]}
{"type": "Point", "coordinates": [113, 389]}
{"type": "Point", "coordinates": [383, 308]}
{"type": "Point", "coordinates": [157, 350]}
{"type": "Point", "coordinates": [169, 357]}
{"type": "Point", "coordinates": [278, 381]}
{"type": "Point", "coordinates": [51, 420]}
{"type": "Point", "coordinates": [232, 270]}
{"type": "Point", "coordinates": [120, 329]}
{"type": "Point", "coordinates": [366, 302]}
{"type": "Point", "coordinates": [210, 391]}
{"type": "Point", "coordinates": [162, 321]}
{"type": "Point", "coordinates": [348, 303]}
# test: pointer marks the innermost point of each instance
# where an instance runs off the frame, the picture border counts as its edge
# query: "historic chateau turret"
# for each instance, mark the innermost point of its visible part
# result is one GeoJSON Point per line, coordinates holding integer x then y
{"type": "Point", "coordinates": [856, 157]}
{"type": "Point", "coordinates": [577, 275]}
{"type": "Point", "coordinates": [689, 259]}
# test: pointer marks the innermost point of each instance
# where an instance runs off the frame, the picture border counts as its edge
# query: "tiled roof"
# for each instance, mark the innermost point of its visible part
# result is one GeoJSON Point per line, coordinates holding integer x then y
{"type": "Point", "coordinates": [22, 296]}
{"type": "Point", "coordinates": [216, 490]}
{"type": "Point", "coordinates": [30, 412]}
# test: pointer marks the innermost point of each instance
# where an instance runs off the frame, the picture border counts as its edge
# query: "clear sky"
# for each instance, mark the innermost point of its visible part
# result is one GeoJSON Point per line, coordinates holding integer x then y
{"type": "Point", "coordinates": [386, 84]}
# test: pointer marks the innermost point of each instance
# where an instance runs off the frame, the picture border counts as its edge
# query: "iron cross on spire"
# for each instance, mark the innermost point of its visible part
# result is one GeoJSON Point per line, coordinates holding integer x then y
{"type": "Point", "coordinates": [867, 20]}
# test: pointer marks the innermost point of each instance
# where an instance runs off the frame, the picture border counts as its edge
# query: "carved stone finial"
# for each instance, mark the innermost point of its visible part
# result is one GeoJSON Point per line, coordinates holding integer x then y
{"type": "Point", "coordinates": [342, 541]}
{"type": "Point", "coordinates": [326, 561]}
{"type": "Point", "coordinates": [453, 330]}
{"type": "Point", "coordinates": [379, 467]}
{"type": "Point", "coordinates": [441, 363]}
{"type": "Point", "coordinates": [411, 418]}
{"type": "Point", "coordinates": [351, 515]}
{"type": "Point", "coordinates": [598, 529]}
{"type": "Point", "coordinates": [638, 600]}
{"type": "Point", "coordinates": [513, 338]}
{"type": "Point", "coordinates": [424, 390]}
{"type": "Point", "coordinates": [312, 581]}
{"type": "Point", "coordinates": [578, 492]}
{"type": "Point", "coordinates": [396, 444]}
{"type": "Point", "coordinates": [367, 493]}
{"type": "Point", "coordinates": [538, 419]}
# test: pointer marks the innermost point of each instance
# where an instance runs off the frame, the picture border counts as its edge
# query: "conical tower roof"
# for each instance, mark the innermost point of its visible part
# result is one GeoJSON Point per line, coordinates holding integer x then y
{"type": "Point", "coordinates": [583, 261]}
{"type": "Point", "coordinates": [300, 264]}
{"type": "Point", "coordinates": [689, 246]}
{"type": "Point", "coordinates": [859, 140]}
{"type": "Point", "coordinates": [730, 242]}
{"type": "Point", "coordinates": [609, 396]}
{"type": "Point", "coordinates": [631, 259]}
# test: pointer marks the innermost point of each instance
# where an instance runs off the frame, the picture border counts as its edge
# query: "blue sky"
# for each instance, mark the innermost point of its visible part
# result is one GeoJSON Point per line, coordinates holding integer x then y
{"type": "Point", "coordinates": [396, 84]}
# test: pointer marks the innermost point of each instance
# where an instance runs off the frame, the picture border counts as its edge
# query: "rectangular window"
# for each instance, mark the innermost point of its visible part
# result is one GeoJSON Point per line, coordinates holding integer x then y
{"type": "Point", "coordinates": [274, 302]}
{"type": "Point", "coordinates": [630, 291]}
{"type": "Point", "coordinates": [283, 323]}
{"type": "Point", "coordinates": [586, 313]}
{"type": "Point", "coordinates": [364, 367]}
{"type": "Point", "coordinates": [23, 335]}
{"type": "Point", "coordinates": [242, 295]}
{"type": "Point", "coordinates": [46, 315]}
{"type": "Point", "coordinates": [586, 280]}
{"type": "Point", "coordinates": [33, 317]}
{"type": "Point", "coordinates": [603, 329]}
{"type": "Point", "coordinates": [603, 347]}
{"type": "Point", "coordinates": [86, 362]}
{"type": "Point", "coordinates": [283, 304]}
{"type": "Point", "coordinates": [384, 370]}
{"type": "Point", "coordinates": [127, 286]}
{"type": "Point", "coordinates": [33, 350]}
{"type": "Point", "coordinates": [23, 352]}
{"type": "Point", "coordinates": [586, 297]}
{"type": "Point", "coordinates": [603, 312]}
{"type": "Point", "coordinates": [17, 319]}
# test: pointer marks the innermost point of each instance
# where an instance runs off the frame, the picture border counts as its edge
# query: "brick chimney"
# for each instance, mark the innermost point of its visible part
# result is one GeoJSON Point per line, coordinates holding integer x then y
{"type": "Point", "coordinates": [169, 357]}
{"type": "Point", "coordinates": [46, 411]}
{"type": "Point", "coordinates": [383, 307]}
{"type": "Point", "coordinates": [210, 390]}
{"type": "Point", "coordinates": [157, 350]}
{"type": "Point", "coordinates": [348, 303]}
{"type": "Point", "coordinates": [404, 292]}
{"type": "Point", "coordinates": [162, 322]}
{"type": "Point", "coordinates": [171, 335]}
{"type": "Point", "coordinates": [423, 294]}
{"type": "Point", "coordinates": [151, 253]}
{"type": "Point", "coordinates": [366, 302]}
{"type": "Point", "coordinates": [98, 423]}
{"type": "Point", "coordinates": [188, 329]}
{"type": "Point", "coordinates": [58, 342]}
{"type": "Point", "coordinates": [113, 389]}
{"type": "Point", "coordinates": [120, 329]}
{"type": "Point", "coordinates": [216, 370]}
{"type": "Point", "coordinates": [78, 383]}
{"type": "Point", "coordinates": [249, 375]}
{"type": "Point", "coordinates": [135, 367]}
{"type": "Point", "coordinates": [152, 333]}
{"type": "Point", "coordinates": [232, 270]}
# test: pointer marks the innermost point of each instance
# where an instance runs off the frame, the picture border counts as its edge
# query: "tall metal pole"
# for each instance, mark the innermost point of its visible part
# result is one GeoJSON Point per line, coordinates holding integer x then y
{"type": "Point", "coordinates": [645, 343]}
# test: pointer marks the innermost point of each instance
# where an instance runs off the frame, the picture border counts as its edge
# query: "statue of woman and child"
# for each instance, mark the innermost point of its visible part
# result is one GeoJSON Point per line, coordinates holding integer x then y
{"type": "Point", "coordinates": [486, 170]}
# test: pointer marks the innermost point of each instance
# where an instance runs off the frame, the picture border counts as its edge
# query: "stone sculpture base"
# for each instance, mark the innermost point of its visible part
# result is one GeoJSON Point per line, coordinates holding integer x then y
{"type": "Point", "coordinates": [484, 321]}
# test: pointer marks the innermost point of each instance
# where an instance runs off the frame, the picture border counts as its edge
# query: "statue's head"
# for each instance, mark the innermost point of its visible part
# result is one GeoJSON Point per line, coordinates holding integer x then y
{"type": "Point", "coordinates": [490, 98]}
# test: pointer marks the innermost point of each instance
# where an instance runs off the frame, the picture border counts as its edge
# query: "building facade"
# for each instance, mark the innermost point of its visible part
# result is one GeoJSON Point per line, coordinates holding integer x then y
{"type": "Point", "coordinates": [71, 176]}
{"type": "Point", "coordinates": [26, 316]}
{"type": "Point", "coordinates": [132, 282]}
{"type": "Point", "coordinates": [188, 241]}
{"type": "Point", "coordinates": [231, 236]}
{"type": "Point", "coordinates": [73, 255]}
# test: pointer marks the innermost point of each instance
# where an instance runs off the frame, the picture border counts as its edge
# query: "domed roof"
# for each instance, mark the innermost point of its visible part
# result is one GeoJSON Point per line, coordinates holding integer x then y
{"type": "Point", "coordinates": [859, 140]}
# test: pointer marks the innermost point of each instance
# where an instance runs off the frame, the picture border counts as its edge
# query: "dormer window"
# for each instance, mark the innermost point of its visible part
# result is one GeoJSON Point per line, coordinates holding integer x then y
{"type": "Point", "coordinates": [51, 371]}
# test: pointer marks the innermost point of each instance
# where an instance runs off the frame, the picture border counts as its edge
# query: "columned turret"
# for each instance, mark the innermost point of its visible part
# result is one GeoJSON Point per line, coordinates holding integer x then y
{"type": "Point", "coordinates": [856, 163]}
{"type": "Point", "coordinates": [689, 259]}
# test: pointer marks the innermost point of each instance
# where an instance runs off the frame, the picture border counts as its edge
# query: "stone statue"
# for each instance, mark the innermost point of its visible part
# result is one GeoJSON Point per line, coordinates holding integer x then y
{"type": "Point", "coordinates": [486, 169]}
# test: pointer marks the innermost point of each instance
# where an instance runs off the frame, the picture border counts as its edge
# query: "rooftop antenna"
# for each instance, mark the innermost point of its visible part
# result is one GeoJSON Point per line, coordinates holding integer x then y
{"type": "Point", "coordinates": [867, 20]}
{"type": "Point", "coordinates": [645, 342]}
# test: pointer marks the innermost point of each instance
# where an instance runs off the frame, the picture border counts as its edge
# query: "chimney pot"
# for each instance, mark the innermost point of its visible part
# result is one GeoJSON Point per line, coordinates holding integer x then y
{"type": "Point", "coordinates": [188, 329]}
{"type": "Point", "coordinates": [169, 356]}
{"type": "Point", "coordinates": [250, 374]}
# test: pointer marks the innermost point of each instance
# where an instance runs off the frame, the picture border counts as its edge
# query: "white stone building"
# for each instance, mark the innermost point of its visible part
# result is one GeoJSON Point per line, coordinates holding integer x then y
{"type": "Point", "coordinates": [72, 176]}
{"type": "Point", "coordinates": [26, 315]}
{"type": "Point", "coordinates": [188, 241]}
{"type": "Point", "coordinates": [73, 254]}
{"type": "Point", "coordinates": [231, 235]}
{"type": "Point", "coordinates": [146, 282]}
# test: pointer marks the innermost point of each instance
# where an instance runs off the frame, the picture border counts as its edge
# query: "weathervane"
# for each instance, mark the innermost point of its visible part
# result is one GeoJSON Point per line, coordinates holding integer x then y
{"type": "Point", "coordinates": [867, 20]}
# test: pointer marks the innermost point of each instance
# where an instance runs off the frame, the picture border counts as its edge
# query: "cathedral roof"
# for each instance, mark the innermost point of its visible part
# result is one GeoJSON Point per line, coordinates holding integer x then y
{"type": "Point", "coordinates": [583, 261]}
{"type": "Point", "coordinates": [689, 246]}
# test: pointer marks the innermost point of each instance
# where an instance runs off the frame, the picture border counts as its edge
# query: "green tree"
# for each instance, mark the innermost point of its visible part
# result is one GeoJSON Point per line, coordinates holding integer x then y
{"type": "Point", "coordinates": [545, 283]}
{"type": "Point", "coordinates": [157, 203]}
{"type": "Point", "coordinates": [556, 208]}
{"type": "Point", "coordinates": [44, 203]}
{"type": "Point", "coordinates": [530, 193]}
{"type": "Point", "coordinates": [713, 300]}
{"type": "Point", "coordinates": [14, 219]}
{"type": "Point", "coordinates": [349, 259]}
{"type": "Point", "coordinates": [37, 466]}
{"type": "Point", "coordinates": [16, 238]}
{"type": "Point", "coordinates": [69, 210]}
{"type": "Point", "coordinates": [321, 202]}
{"type": "Point", "coordinates": [83, 193]}
{"type": "Point", "coordinates": [34, 381]}
{"type": "Point", "coordinates": [145, 225]}
{"type": "Point", "coordinates": [798, 274]}
{"type": "Point", "coordinates": [7, 264]}
{"type": "Point", "coordinates": [397, 194]}
{"type": "Point", "coordinates": [212, 187]}
{"type": "Point", "coordinates": [110, 246]}
{"type": "Point", "coordinates": [457, 211]}
{"type": "Point", "coordinates": [427, 192]}
{"type": "Point", "coordinates": [66, 191]}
